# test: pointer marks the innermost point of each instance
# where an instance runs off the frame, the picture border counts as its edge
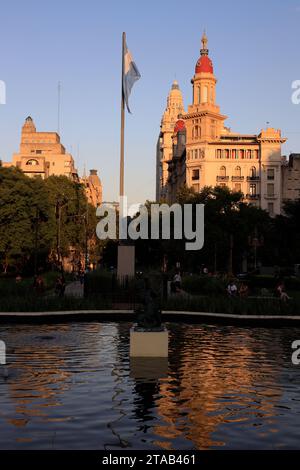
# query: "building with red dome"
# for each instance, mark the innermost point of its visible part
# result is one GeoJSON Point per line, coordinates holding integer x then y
{"type": "Point", "coordinates": [214, 155]}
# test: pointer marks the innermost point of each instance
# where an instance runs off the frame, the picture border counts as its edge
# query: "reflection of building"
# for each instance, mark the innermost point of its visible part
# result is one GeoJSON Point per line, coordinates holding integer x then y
{"type": "Point", "coordinates": [213, 154]}
{"type": "Point", "coordinates": [42, 154]}
{"type": "Point", "coordinates": [211, 385]}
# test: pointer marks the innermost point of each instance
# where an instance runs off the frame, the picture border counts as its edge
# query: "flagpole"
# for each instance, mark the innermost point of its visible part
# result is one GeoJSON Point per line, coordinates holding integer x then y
{"type": "Point", "coordinates": [122, 121]}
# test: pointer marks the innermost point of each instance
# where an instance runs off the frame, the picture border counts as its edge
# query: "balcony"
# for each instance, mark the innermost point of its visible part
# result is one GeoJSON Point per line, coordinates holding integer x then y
{"type": "Point", "coordinates": [237, 179]}
{"type": "Point", "coordinates": [253, 178]}
{"type": "Point", "coordinates": [252, 197]}
{"type": "Point", "coordinates": [223, 178]}
{"type": "Point", "coordinates": [270, 196]}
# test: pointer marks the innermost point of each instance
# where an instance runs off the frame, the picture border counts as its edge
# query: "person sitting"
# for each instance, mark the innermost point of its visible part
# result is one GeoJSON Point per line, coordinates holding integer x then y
{"type": "Point", "coordinates": [177, 282]}
{"type": "Point", "coordinates": [232, 289]}
{"type": "Point", "coordinates": [243, 290]}
{"type": "Point", "coordinates": [281, 292]}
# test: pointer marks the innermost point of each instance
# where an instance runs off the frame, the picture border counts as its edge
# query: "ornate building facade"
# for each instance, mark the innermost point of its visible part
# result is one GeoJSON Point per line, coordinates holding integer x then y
{"type": "Point", "coordinates": [42, 154]}
{"type": "Point", "coordinates": [213, 154]}
{"type": "Point", "coordinates": [164, 144]}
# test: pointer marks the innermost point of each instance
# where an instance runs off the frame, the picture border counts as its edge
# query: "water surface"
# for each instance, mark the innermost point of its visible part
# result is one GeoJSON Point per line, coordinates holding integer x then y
{"type": "Point", "coordinates": [72, 386]}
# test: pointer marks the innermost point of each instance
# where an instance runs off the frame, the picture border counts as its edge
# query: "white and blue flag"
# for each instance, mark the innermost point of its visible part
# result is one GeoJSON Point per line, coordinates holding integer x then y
{"type": "Point", "coordinates": [130, 75]}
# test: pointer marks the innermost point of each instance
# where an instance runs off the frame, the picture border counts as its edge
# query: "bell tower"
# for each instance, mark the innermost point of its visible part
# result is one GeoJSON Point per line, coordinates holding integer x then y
{"type": "Point", "coordinates": [204, 122]}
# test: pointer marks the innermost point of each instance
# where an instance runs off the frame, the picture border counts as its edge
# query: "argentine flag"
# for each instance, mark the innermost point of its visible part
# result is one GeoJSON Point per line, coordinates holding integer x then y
{"type": "Point", "coordinates": [130, 75]}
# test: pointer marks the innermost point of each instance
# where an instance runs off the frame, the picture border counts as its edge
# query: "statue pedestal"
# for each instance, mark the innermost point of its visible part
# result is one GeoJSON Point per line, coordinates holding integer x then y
{"type": "Point", "coordinates": [126, 261]}
{"type": "Point", "coordinates": [147, 343]}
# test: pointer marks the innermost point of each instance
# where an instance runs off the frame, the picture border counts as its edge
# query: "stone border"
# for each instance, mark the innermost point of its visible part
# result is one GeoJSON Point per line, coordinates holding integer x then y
{"type": "Point", "coordinates": [172, 315]}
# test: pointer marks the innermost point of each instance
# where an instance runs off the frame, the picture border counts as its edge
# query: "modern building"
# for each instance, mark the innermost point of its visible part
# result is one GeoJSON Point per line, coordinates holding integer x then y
{"type": "Point", "coordinates": [210, 154]}
{"type": "Point", "coordinates": [42, 154]}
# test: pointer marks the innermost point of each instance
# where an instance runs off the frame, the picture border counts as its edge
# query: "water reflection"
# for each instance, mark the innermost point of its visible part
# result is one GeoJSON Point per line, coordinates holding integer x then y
{"type": "Point", "coordinates": [73, 386]}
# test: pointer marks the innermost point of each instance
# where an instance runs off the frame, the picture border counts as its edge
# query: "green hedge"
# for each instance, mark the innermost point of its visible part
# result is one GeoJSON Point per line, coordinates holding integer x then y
{"type": "Point", "coordinates": [237, 306]}
{"type": "Point", "coordinates": [206, 285]}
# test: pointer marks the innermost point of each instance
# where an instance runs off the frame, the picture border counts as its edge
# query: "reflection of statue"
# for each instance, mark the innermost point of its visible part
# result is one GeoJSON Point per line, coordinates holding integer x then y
{"type": "Point", "coordinates": [150, 316]}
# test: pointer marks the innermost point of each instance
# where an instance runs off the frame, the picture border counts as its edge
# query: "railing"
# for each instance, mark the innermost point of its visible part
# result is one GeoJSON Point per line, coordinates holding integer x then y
{"type": "Point", "coordinates": [222, 178]}
{"type": "Point", "coordinates": [252, 196]}
{"type": "Point", "coordinates": [270, 196]}
{"type": "Point", "coordinates": [237, 178]}
{"type": "Point", "coordinates": [253, 178]}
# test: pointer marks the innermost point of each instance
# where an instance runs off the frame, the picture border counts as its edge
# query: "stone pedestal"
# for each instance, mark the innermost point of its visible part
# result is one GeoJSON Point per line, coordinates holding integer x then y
{"type": "Point", "coordinates": [148, 343]}
{"type": "Point", "coordinates": [126, 261]}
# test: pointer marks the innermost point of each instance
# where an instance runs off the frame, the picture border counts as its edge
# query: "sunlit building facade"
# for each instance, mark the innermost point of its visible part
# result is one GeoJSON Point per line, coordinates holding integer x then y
{"type": "Point", "coordinates": [213, 154]}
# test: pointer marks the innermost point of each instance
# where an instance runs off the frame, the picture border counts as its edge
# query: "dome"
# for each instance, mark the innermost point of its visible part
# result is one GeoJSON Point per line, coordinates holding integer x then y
{"type": "Point", "coordinates": [179, 126]}
{"type": "Point", "coordinates": [204, 64]}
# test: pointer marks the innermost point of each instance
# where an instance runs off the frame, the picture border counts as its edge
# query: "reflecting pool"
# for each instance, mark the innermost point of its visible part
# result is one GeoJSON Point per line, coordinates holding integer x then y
{"type": "Point", "coordinates": [72, 386]}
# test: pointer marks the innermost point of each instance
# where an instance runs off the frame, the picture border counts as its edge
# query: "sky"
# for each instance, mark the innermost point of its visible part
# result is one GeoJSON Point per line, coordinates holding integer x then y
{"type": "Point", "coordinates": [254, 46]}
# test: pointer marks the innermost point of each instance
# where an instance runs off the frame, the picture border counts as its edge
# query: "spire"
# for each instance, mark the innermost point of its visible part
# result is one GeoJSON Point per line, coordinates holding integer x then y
{"type": "Point", "coordinates": [175, 85]}
{"type": "Point", "coordinates": [28, 126]}
{"type": "Point", "coordinates": [204, 40]}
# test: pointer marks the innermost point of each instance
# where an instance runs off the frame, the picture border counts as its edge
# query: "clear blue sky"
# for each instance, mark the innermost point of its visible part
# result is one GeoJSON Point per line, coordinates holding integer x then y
{"type": "Point", "coordinates": [254, 46]}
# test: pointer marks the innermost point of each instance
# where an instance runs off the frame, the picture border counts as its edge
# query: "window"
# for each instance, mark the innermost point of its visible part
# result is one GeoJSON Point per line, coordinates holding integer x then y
{"type": "Point", "coordinates": [32, 162]}
{"type": "Point", "coordinates": [270, 174]}
{"type": "Point", "coordinates": [219, 153]}
{"type": "Point", "coordinates": [234, 154]}
{"type": "Point", "coordinates": [199, 95]}
{"type": "Point", "coordinates": [270, 189]}
{"type": "Point", "coordinates": [195, 175]}
{"type": "Point", "coordinates": [253, 172]}
{"type": "Point", "coordinates": [196, 132]}
{"type": "Point", "coordinates": [205, 94]}
{"type": "Point", "coordinates": [242, 154]}
{"type": "Point", "coordinates": [271, 208]}
{"type": "Point", "coordinates": [238, 187]}
{"type": "Point", "coordinates": [223, 171]}
{"type": "Point", "coordinates": [196, 154]}
{"type": "Point", "coordinates": [249, 154]}
{"type": "Point", "coordinates": [252, 189]}
{"type": "Point", "coordinates": [238, 171]}
{"type": "Point", "coordinates": [227, 153]}
{"type": "Point", "coordinates": [38, 151]}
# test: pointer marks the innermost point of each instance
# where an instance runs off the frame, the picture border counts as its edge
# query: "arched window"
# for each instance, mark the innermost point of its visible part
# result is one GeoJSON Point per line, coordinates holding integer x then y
{"type": "Point", "coordinates": [253, 172]}
{"type": "Point", "coordinates": [238, 171]}
{"type": "Point", "coordinates": [32, 162]}
{"type": "Point", "coordinates": [196, 133]}
{"type": "Point", "coordinates": [205, 94]}
{"type": "Point", "coordinates": [223, 171]}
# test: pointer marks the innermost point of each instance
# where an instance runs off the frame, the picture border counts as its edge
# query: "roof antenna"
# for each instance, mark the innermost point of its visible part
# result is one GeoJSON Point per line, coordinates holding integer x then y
{"type": "Point", "coordinates": [58, 106]}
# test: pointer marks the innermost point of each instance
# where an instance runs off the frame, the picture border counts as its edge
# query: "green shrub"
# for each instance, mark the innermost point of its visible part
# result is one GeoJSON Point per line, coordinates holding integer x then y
{"type": "Point", "coordinates": [206, 285]}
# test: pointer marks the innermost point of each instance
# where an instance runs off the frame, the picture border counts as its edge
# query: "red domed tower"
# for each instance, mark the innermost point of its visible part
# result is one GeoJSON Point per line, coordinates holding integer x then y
{"type": "Point", "coordinates": [203, 120]}
{"type": "Point", "coordinates": [204, 81]}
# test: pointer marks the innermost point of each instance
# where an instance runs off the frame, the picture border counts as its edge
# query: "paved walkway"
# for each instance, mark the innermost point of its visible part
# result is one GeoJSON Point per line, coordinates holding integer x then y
{"type": "Point", "coordinates": [74, 289]}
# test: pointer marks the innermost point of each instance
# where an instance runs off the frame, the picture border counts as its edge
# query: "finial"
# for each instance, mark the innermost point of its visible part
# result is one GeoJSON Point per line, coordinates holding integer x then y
{"type": "Point", "coordinates": [204, 40]}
